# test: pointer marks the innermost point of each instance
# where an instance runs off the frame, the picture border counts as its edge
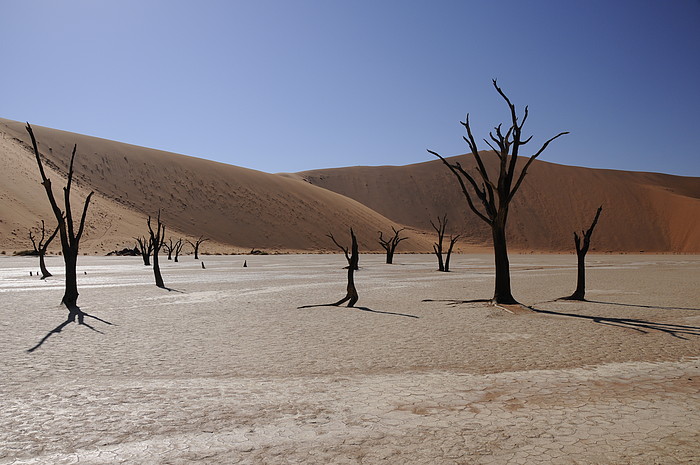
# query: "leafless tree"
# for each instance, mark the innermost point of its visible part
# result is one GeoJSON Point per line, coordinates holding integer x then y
{"type": "Point", "coordinates": [437, 247]}
{"type": "Point", "coordinates": [70, 238]}
{"type": "Point", "coordinates": [353, 259]}
{"type": "Point", "coordinates": [495, 195]}
{"type": "Point", "coordinates": [157, 238]}
{"type": "Point", "coordinates": [391, 243]}
{"type": "Point", "coordinates": [196, 245]}
{"type": "Point", "coordinates": [177, 248]}
{"type": "Point", "coordinates": [145, 247]}
{"type": "Point", "coordinates": [168, 246]}
{"type": "Point", "coordinates": [581, 251]}
{"type": "Point", "coordinates": [41, 247]}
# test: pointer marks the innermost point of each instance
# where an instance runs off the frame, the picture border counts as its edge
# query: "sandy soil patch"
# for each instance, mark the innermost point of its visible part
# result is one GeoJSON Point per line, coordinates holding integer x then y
{"type": "Point", "coordinates": [225, 368]}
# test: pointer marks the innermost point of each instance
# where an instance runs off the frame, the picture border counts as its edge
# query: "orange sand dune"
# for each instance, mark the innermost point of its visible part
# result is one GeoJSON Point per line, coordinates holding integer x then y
{"type": "Point", "coordinates": [641, 211]}
{"type": "Point", "coordinates": [237, 208]}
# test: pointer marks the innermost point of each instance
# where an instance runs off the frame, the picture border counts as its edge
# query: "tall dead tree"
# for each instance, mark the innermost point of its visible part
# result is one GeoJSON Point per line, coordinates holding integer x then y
{"type": "Point", "coordinates": [353, 259]}
{"type": "Point", "coordinates": [157, 238]}
{"type": "Point", "coordinates": [145, 247]}
{"type": "Point", "coordinates": [196, 245]}
{"type": "Point", "coordinates": [391, 243]}
{"type": "Point", "coordinates": [41, 247]}
{"type": "Point", "coordinates": [495, 195]}
{"type": "Point", "coordinates": [437, 247]}
{"type": "Point", "coordinates": [177, 248]}
{"type": "Point", "coordinates": [581, 251]}
{"type": "Point", "coordinates": [70, 238]}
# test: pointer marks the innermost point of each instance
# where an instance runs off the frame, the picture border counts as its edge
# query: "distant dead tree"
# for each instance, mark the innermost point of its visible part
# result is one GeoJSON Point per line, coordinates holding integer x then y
{"type": "Point", "coordinates": [353, 259]}
{"type": "Point", "coordinates": [391, 243]}
{"type": "Point", "coordinates": [437, 247]}
{"type": "Point", "coordinates": [168, 246]}
{"type": "Point", "coordinates": [581, 251]}
{"type": "Point", "coordinates": [495, 195]}
{"type": "Point", "coordinates": [196, 245]}
{"type": "Point", "coordinates": [177, 248]}
{"type": "Point", "coordinates": [70, 238]}
{"type": "Point", "coordinates": [157, 238]}
{"type": "Point", "coordinates": [145, 247]}
{"type": "Point", "coordinates": [41, 247]}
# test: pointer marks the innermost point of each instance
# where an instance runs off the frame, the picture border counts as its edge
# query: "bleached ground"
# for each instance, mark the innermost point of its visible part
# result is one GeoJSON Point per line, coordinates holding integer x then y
{"type": "Point", "coordinates": [225, 368]}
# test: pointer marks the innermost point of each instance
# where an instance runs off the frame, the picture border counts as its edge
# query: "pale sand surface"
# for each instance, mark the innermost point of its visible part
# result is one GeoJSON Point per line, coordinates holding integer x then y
{"type": "Point", "coordinates": [226, 369]}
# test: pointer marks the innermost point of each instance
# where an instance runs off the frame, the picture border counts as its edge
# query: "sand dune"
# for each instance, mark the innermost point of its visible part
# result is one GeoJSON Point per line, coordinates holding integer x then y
{"type": "Point", "coordinates": [240, 209]}
{"type": "Point", "coordinates": [237, 208]}
{"type": "Point", "coordinates": [642, 211]}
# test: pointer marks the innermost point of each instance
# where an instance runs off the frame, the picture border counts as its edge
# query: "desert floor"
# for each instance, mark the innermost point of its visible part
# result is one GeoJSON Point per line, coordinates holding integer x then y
{"type": "Point", "coordinates": [225, 368]}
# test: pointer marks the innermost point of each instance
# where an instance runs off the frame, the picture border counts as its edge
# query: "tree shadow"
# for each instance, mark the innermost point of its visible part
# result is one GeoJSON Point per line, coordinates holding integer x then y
{"type": "Point", "coordinates": [455, 302]}
{"type": "Point", "coordinates": [641, 326]}
{"type": "Point", "coordinates": [641, 306]}
{"type": "Point", "coordinates": [364, 309]}
{"type": "Point", "coordinates": [170, 289]}
{"type": "Point", "coordinates": [74, 312]}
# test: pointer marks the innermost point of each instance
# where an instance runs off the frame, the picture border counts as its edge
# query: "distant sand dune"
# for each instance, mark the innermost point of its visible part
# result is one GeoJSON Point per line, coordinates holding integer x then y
{"type": "Point", "coordinates": [240, 209]}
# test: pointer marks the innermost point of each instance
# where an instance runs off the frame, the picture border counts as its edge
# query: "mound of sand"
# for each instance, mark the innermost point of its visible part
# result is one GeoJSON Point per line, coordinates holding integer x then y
{"type": "Point", "coordinates": [641, 211]}
{"type": "Point", "coordinates": [236, 208]}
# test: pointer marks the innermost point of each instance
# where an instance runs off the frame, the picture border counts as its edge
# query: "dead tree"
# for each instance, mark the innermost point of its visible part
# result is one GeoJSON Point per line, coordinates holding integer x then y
{"type": "Point", "coordinates": [495, 195]}
{"type": "Point", "coordinates": [437, 247]}
{"type": "Point", "coordinates": [157, 238]}
{"type": "Point", "coordinates": [581, 251]}
{"type": "Point", "coordinates": [41, 247]}
{"type": "Point", "coordinates": [353, 259]}
{"type": "Point", "coordinates": [145, 247]}
{"type": "Point", "coordinates": [70, 238]}
{"type": "Point", "coordinates": [196, 245]}
{"type": "Point", "coordinates": [391, 243]}
{"type": "Point", "coordinates": [177, 247]}
{"type": "Point", "coordinates": [168, 246]}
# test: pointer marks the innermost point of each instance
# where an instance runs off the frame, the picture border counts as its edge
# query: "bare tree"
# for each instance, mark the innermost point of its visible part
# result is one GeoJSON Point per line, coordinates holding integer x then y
{"type": "Point", "coordinates": [196, 245]}
{"type": "Point", "coordinates": [581, 251]}
{"type": "Point", "coordinates": [145, 247]}
{"type": "Point", "coordinates": [177, 247]}
{"type": "Point", "coordinates": [437, 247]}
{"type": "Point", "coordinates": [353, 259]}
{"type": "Point", "coordinates": [70, 238]}
{"type": "Point", "coordinates": [41, 247]}
{"type": "Point", "coordinates": [391, 243]}
{"type": "Point", "coordinates": [495, 195]}
{"type": "Point", "coordinates": [157, 238]}
{"type": "Point", "coordinates": [168, 246]}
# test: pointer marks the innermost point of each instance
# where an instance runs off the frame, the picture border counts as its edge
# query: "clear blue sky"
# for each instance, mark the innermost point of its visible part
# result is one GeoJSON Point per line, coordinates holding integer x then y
{"type": "Point", "coordinates": [294, 85]}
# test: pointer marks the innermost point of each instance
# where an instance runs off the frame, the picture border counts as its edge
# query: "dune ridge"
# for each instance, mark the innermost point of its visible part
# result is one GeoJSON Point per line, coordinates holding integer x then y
{"type": "Point", "coordinates": [239, 209]}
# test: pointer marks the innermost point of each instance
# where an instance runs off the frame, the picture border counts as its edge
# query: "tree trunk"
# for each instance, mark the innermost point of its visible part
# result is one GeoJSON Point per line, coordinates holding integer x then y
{"type": "Point", "coordinates": [70, 297]}
{"type": "Point", "coordinates": [389, 257]}
{"type": "Point", "coordinates": [580, 292]}
{"type": "Point", "coordinates": [502, 293]}
{"type": "Point", "coordinates": [438, 254]}
{"type": "Point", "coordinates": [42, 266]}
{"type": "Point", "coordinates": [156, 270]}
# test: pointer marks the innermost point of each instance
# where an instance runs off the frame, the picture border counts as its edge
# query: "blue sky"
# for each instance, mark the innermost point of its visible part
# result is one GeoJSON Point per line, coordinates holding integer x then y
{"type": "Point", "coordinates": [283, 86]}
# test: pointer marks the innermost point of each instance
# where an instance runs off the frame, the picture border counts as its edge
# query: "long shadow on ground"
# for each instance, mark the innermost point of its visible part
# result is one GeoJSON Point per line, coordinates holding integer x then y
{"type": "Point", "coordinates": [74, 313]}
{"type": "Point", "coordinates": [364, 309]}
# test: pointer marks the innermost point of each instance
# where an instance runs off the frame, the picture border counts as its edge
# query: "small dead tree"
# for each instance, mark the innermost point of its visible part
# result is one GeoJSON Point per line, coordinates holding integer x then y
{"type": "Point", "coordinates": [70, 238]}
{"type": "Point", "coordinates": [437, 247]}
{"type": "Point", "coordinates": [145, 247]}
{"type": "Point", "coordinates": [353, 259]}
{"type": "Point", "coordinates": [196, 245]}
{"type": "Point", "coordinates": [581, 251]}
{"type": "Point", "coordinates": [177, 247]}
{"type": "Point", "coordinates": [495, 195]}
{"type": "Point", "coordinates": [157, 238]}
{"type": "Point", "coordinates": [391, 243]}
{"type": "Point", "coordinates": [41, 247]}
{"type": "Point", "coordinates": [168, 246]}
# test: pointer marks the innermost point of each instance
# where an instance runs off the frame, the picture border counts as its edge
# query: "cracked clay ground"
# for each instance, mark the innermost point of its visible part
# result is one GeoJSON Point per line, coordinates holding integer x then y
{"type": "Point", "coordinates": [225, 368]}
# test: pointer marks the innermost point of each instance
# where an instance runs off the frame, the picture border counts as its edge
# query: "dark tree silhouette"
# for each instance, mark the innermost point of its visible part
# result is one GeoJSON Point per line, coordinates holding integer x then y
{"type": "Point", "coordinates": [495, 195]}
{"type": "Point", "coordinates": [177, 248]}
{"type": "Point", "coordinates": [41, 247]}
{"type": "Point", "coordinates": [391, 243]}
{"type": "Point", "coordinates": [168, 246]}
{"type": "Point", "coordinates": [70, 238]}
{"type": "Point", "coordinates": [437, 247]}
{"type": "Point", "coordinates": [353, 259]}
{"type": "Point", "coordinates": [157, 238]}
{"type": "Point", "coordinates": [581, 251]}
{"type": "Point", "coordinates": [145, 247]}
{"type": "Point", "coordinates": [196, 245]}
